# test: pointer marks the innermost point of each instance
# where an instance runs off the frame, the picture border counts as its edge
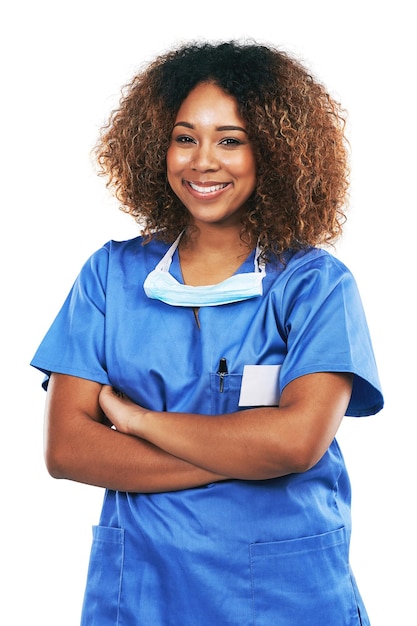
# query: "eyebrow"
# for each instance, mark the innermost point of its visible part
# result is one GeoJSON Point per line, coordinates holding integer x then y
{"type": "Point", "coordinates": [218, 128]}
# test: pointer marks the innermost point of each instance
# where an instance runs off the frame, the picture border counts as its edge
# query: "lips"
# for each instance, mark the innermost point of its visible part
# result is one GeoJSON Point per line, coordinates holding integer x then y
{"type": "Point", "coordinates": [208, 188]}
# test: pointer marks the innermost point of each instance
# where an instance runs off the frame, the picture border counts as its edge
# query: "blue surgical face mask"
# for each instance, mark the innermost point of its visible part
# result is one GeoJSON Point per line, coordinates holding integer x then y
{"type": "Point", "coordinates": [161, 285]}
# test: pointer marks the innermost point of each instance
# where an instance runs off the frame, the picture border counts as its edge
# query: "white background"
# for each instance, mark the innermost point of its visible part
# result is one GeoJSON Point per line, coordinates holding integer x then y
{"type": "Point", "coordinates": [62, 67]}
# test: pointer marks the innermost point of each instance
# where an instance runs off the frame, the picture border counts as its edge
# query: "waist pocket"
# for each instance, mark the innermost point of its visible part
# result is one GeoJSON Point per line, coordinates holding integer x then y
{"type": "Point", "coordinates": [304, 580]}
{"type": "Point", "coordinates": [104, 578]}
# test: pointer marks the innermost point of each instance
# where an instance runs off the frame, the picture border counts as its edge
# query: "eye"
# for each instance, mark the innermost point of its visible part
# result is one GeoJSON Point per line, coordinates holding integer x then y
{"type": "Point", "coordinates": [183, 139]}
{"type": "Point", "coordinates": [230, 141]}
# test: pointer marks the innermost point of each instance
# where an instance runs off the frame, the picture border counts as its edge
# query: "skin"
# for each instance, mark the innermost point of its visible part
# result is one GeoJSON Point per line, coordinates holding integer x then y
{"type": "Point", "coordinates": [255, 444]}
{"type": "Point", "coordinates": [80, 446]}
{"type": "Point", "coordinates": [210, 150]}
{"type": "Point", "coordinates": [210, 161]}
{"type": "Point", "coordinates": [211, 168]}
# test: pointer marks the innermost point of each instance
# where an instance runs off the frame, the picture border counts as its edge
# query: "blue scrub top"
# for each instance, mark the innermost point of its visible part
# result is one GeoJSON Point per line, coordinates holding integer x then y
{"type": "Point", "coordinates": [238, 552]}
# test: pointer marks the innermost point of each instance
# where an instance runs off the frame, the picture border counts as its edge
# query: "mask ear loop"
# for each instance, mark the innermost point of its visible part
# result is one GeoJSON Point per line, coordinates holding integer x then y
{"type": "Point", "coordinates": [165, 263]}
{"type": "Point", "coordinates": [259, 263]}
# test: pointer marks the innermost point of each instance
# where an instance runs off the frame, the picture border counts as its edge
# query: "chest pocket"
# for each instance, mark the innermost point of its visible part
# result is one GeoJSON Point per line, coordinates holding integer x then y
{"type": "Point", "coordinates": [259, 386]}
{"type": "Point", "coordinates": [224, 392]}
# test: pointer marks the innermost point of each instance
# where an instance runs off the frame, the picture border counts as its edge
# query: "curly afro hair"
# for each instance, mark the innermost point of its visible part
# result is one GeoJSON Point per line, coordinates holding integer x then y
{"type": "Point", "coordinates": [295, 127]}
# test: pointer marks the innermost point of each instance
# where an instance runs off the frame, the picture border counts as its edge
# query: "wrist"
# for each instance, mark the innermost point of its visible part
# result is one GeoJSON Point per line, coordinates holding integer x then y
{"type": "Point", "coordinates": [142, 422]}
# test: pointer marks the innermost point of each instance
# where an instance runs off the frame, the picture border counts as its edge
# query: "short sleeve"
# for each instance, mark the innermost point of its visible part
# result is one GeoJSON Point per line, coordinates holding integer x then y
{"type": "Point", "coordinates": [327, 331]}
{"type": "Point", "coordinates": [75, 343]}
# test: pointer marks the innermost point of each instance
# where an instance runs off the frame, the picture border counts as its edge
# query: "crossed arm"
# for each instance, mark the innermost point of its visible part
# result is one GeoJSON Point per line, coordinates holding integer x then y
{"type": "Point", "coordinates": [151, 451]}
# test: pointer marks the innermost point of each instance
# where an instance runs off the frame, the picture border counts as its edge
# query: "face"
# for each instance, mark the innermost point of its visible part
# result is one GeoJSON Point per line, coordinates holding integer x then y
{"type": "Point", "coordinates": [210, 161]}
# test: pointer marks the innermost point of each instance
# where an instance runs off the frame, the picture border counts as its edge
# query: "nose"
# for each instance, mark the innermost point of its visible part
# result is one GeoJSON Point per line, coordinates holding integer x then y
{"type": "Point", "coordinates": [204, 158]}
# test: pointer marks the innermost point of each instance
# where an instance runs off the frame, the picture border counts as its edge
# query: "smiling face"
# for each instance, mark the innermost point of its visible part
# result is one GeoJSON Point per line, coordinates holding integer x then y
{"type": "Point", "coordinates": [210, 161]}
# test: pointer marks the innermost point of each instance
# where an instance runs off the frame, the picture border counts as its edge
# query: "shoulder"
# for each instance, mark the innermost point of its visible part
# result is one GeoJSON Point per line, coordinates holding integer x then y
{"type": "Point", "coordinates": [315, 259]}
{"type": "Point", "coordinates": [135, 249]}
{"type": "Point", "coordinates": [310, 279]}
{"type": "Point", "coordinates": [302, 269]}
{"type": "Point", "coordinates": [315, 267]}
{"type": "Point", "coordinates": [127, 255]}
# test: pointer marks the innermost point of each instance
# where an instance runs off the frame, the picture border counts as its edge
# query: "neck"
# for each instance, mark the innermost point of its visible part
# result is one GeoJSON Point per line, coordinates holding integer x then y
{"type": "Point", "coordinates": [210, 255]}
{"type": "Point", "coordinates": [215, 241]}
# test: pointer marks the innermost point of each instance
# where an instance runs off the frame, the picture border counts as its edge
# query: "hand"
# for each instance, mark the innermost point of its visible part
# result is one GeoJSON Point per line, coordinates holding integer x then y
{"type": "Point", "coordinates": [121, 412]}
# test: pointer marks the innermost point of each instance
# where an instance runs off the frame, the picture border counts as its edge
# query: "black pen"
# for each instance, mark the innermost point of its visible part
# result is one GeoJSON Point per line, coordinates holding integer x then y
{"type": "Point", "coordinates": [222, 372]}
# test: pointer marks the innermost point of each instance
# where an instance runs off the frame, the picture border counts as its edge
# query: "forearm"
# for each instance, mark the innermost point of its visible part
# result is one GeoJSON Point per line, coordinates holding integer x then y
{"type": "Point", "coordinates": [239, 445]}
{"type": "Point", "coordinates": [106, 458]}
{"type": "Point", "coordinates": [254, 444]}
{"type": "Point", "coordinates": [80, 447]}
{"type": "Point", "coordinates": [236, 443]}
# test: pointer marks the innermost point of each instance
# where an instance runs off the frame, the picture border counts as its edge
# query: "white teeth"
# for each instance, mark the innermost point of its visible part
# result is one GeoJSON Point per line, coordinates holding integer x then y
{"type": "Point", "coordinates": [207, 189]}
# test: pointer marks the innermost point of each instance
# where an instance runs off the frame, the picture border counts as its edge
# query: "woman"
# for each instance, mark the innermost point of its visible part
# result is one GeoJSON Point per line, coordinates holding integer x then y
{"type": "Point", "coordinates": [200, 371]}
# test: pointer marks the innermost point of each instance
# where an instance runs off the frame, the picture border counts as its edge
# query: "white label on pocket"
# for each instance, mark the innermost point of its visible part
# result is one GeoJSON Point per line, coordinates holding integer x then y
{"type": "Point", "coordinates": [260, 385]}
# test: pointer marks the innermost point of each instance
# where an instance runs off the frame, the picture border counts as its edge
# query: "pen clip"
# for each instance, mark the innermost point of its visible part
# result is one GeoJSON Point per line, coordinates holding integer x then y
{"type": "Point", "coordinates": [222, 372]}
